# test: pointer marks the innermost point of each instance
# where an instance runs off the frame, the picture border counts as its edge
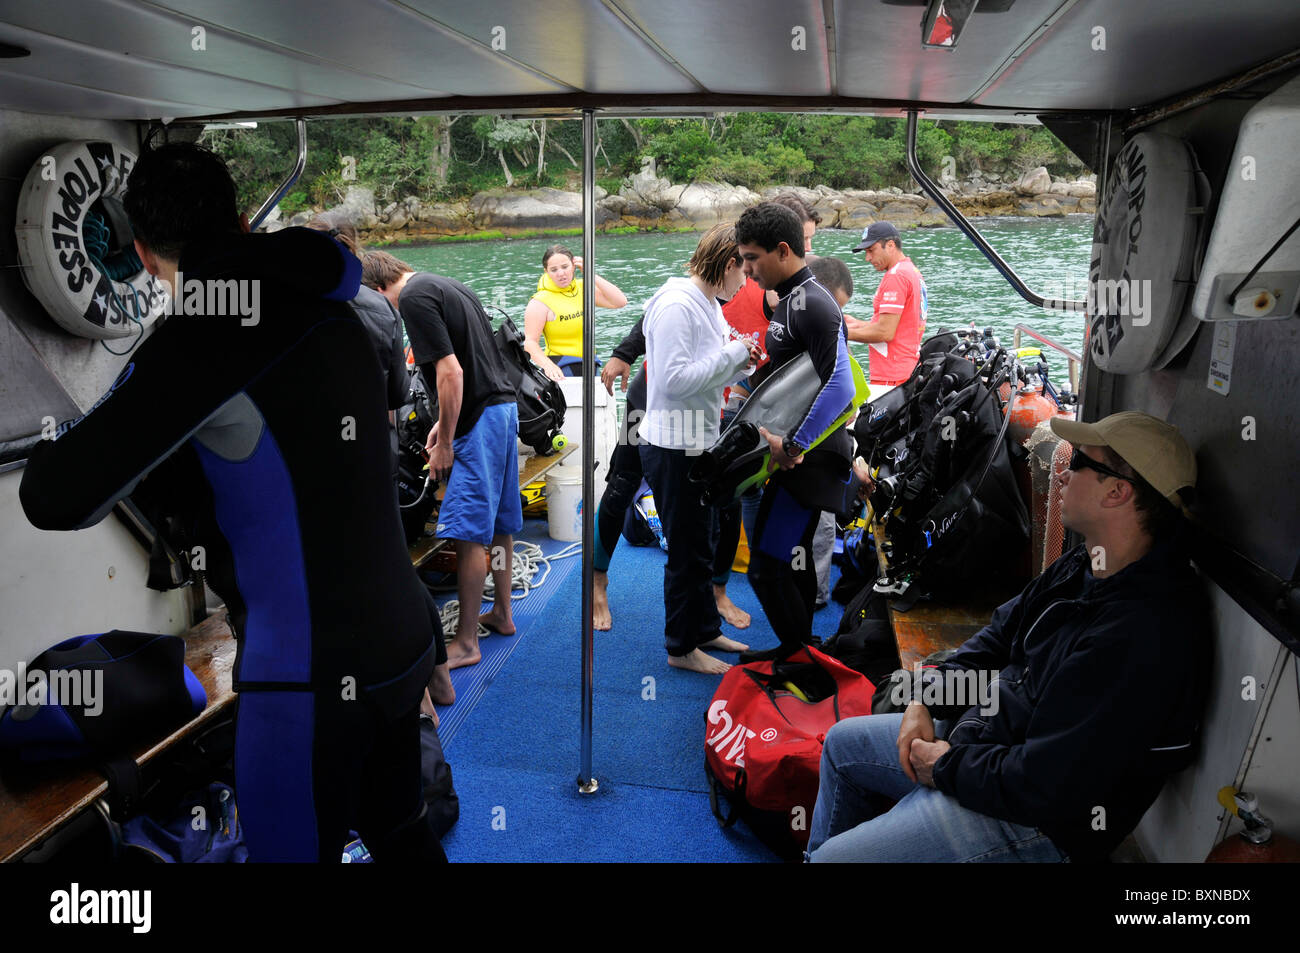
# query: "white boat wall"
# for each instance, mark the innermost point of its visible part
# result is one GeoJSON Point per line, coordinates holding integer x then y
{"type": "Point", "coordinates": [1190, 69]}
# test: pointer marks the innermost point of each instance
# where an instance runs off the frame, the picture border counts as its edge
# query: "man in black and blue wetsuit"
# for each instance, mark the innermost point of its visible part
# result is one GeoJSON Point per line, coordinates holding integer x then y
{"type": "Point", "coordinates": [807, 318]}
{"type": "Point", "coordinates": [267, 434]}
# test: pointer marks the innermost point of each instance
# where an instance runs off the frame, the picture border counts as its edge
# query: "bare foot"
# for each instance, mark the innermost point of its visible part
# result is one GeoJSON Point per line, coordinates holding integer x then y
{"type": "Point", "coordinates": [426, 708]}
{"type": "Point", "coordinates": [600, 617]}
{"type": "Point", "coordinates": [724, 644]}
{"type": "Point", "coordinates": [496, 621]}
{"type": "Point", "coordinates": [440, 690]}
{"type": "Point", "coordinates": [697, 661]}
{"type": "Point", "coordinates": [460, 655]}
{"type": "Point", "coordinates": [730, 612]}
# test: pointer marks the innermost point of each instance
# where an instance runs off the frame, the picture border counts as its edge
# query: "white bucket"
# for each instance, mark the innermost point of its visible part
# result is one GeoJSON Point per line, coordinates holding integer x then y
{"type": "Point", "coordinates": [564, 503]}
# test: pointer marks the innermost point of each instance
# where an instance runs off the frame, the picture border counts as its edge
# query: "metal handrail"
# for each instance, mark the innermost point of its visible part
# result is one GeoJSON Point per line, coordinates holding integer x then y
{"type": "Point", "coordinates": [1075, 358]}
{"type": "Point", "coordinates": [287, 184]}
{"type": "Point", "coordinates": [973, 233]}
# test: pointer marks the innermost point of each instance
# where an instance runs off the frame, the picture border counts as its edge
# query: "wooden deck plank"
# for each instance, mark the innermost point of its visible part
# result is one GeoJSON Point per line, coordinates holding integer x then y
{"type": "Point", "coordinates": [37, 800]}
{"type": "Point", "coordinates": [929, 626]}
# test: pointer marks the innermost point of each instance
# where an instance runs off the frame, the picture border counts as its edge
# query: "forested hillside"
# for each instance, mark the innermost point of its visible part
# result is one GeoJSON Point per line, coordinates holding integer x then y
{"type": "Point", "coordinates": [440, 157]}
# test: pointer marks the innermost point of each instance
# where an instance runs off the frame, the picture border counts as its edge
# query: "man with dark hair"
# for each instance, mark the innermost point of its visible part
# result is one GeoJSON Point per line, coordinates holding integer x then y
{"type": "Point", "coordinates": [478, 426]}
{"type": "Point", "coordinates": [807, 319]}
{"type": "Point", "coordinates": [900, 307]}
{"type": "Point", "coordinates": [1091, 684]}
{"type": "Point", "coordinates": [834, 276]}
{"type": "Point", "coordinates": [253, 433]}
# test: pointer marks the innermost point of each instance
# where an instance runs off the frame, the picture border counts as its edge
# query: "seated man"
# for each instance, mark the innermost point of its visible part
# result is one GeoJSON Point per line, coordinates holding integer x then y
{"type": "Point", "coordinates": [1101, 667]}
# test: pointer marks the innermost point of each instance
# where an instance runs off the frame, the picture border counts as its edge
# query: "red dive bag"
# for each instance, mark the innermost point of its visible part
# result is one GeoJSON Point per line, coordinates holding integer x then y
{"type": "Point", "coordinates": [763, 741]}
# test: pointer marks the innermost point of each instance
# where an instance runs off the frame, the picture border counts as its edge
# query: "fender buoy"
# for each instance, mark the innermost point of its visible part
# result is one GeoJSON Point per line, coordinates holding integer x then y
{"type": "Point", "coordinates": [1143, 254]}
{"type": "Point", "coordinates": [74, 243]}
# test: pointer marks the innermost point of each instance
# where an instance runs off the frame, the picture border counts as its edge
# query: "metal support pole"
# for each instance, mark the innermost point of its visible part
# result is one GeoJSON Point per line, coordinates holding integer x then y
{"type": "Point", "coordinates": [586, 783]}
{"type": "Point", "coordinates": [973, 233]}
{"type": "Point", "coordinates": [287, 184]}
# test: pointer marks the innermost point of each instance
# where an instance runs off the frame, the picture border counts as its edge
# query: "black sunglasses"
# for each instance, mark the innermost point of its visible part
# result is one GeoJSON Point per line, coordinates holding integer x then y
{"type": "Point", "coordinates": [1081, 461]}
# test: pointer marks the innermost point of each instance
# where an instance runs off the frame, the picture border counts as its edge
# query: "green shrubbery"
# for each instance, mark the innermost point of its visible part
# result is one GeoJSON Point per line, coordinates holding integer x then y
{"type": "Point", "coordinates": [441, 157]}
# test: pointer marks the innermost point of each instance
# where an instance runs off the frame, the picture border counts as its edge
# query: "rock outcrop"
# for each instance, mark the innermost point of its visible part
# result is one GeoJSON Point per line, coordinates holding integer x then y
{"type": "Point", "coordinates": [647, 201]}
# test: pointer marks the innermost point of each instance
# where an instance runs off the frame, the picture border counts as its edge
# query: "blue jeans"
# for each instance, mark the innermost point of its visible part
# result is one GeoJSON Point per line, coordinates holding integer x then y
{"type": "Point", "coordinates": [859, 766]}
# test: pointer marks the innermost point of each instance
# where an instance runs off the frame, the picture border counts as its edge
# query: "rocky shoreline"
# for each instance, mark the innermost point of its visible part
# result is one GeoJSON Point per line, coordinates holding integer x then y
{"type": "Point", "coordinates": [646, 202]}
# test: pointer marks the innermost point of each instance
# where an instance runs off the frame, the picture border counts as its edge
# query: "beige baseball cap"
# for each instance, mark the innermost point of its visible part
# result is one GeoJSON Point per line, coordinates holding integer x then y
{"type": "Point", "coordinates": [1153, 448]}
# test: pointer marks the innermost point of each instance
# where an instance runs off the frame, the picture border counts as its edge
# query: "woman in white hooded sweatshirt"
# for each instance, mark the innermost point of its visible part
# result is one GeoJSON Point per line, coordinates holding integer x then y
{"type": "Point", "coordinates": [690, 358]}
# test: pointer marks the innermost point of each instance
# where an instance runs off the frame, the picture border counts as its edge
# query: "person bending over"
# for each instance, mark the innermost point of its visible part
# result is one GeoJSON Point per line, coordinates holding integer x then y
{"type": "Point", "coordinates": [1090, 687]}
{"type": "Point", "coordinates": [690, 360]}
{"type": "Point", "coordinates": [477, 430]}
{"type": "Point", "coordinates": [255, 444]}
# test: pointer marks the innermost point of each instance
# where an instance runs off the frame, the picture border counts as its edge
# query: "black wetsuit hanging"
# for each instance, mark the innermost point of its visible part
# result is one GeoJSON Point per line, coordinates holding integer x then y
{"type": "Point", "coordinates": [269, 432]}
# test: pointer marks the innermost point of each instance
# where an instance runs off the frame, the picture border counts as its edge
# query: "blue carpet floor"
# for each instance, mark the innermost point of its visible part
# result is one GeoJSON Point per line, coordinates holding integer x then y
{"type": "Point", "coordinates": [512, 738]}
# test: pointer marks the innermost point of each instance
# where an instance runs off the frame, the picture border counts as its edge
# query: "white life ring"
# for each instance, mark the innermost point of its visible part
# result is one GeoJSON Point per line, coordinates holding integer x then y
{"type": "Point", "coordinates": [58, 267]}
{"type": "Point", "coordinates": [1143, 254]}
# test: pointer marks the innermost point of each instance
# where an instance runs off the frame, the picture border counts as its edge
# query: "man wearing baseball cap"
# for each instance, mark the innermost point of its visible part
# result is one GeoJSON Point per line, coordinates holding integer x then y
{"type": "Point", "coordinates": [1097, 675]}
{"type": "Point", "coordinates": [899, 307]}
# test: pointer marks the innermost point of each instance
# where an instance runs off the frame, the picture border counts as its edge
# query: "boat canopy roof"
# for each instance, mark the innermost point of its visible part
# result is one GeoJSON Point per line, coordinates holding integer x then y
{"type": "Point", "coordinates": [229, 59]}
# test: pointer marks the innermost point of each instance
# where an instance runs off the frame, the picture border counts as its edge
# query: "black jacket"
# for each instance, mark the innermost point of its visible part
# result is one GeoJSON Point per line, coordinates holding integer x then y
{"type": "Point", "coordinates": [1100, 695]}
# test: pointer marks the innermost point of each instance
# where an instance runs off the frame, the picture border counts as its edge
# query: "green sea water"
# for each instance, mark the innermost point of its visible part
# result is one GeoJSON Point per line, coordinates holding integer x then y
{"type": "Point", "coordinates": [1051, 255]}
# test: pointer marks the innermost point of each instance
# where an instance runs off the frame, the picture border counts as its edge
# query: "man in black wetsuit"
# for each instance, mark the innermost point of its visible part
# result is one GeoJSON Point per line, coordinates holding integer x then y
{"type": "Point", "coordinates": [807, 318]}
{"type": "Point", "coordinates": [267, 434]}
{"type": "Point", "coordinates": [478, 427]}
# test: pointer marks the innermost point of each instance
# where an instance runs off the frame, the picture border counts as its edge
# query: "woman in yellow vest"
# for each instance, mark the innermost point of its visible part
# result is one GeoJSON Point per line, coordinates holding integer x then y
{"type": "Point", "coordinates": [556, 309]}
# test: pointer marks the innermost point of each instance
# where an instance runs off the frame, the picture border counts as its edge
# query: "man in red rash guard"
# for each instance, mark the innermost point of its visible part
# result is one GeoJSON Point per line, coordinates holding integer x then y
{"type": "Point", "coordinates": [899, 306]}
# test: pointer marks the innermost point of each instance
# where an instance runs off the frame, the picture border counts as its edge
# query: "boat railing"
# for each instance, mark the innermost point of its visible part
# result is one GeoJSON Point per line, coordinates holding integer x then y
{"type": "Point", "coordinates": [1074, 357]}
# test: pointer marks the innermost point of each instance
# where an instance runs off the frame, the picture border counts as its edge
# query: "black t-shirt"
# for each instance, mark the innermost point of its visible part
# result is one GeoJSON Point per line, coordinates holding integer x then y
{"type": "Point", "coordinates": [444, 317]}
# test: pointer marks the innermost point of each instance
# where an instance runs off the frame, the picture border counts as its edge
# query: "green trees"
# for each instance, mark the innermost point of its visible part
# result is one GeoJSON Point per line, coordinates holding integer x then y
{"type": "Point", "coordinates": [442, 157]}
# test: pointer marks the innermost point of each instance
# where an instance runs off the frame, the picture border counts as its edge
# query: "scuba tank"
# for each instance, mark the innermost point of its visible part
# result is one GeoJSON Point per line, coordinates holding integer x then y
{"type": "Point", "coordinates": [1257, 842]}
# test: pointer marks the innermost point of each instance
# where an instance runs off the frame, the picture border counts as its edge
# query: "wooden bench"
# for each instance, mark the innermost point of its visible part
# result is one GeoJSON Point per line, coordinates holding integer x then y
{"type": "Point", "coordinates": [43, 798]}
{"type": "Point", "coordinates": [37, 801]}
{"type": "Point", "coordinates": [425, 548]}
{"type": "Point", "coordinates": [931, 626]}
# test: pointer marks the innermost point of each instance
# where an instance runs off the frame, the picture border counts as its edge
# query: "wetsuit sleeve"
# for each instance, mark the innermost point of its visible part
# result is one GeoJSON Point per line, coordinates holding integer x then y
{"type": "Point", "coordinates": [632, 346]}
{"type": "Point", "coordinates": [819, 325]}
{"type": "Point", "coordinates": [153, 407]}
{"type": "Point", "coordinates": [1100, 714]}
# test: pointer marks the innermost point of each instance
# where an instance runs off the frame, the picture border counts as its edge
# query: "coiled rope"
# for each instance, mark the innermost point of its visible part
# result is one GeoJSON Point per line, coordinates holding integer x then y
{"type": "Point", "coordinates": [527, 561]}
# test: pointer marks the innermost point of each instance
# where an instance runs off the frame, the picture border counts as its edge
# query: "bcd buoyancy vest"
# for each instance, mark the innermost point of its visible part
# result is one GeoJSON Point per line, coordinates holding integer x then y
{"type": "Point", "coordinates": [564, 332]}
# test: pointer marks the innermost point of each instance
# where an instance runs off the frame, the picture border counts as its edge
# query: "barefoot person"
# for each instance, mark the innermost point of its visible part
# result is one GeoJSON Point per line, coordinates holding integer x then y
{"type": "Point", "coordinates": [623, 482]}
{"type": "Point", "coordinates": [477, 430]}
{"type": "Point", "coordinates": [691, 360]}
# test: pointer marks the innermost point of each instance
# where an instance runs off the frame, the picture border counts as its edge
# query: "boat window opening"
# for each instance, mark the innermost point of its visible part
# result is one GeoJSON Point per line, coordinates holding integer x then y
{"type": "Point", "coordinates": [973, 233]}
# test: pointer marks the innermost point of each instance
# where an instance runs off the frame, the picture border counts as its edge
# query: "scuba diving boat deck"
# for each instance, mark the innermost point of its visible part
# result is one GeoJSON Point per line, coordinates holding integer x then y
{"type": "Point", "coordinates": [510, 741]}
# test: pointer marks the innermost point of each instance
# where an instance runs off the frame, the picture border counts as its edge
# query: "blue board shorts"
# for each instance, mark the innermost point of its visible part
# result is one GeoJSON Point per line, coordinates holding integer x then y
{"type": "Point", "coordinates": [482, 498]}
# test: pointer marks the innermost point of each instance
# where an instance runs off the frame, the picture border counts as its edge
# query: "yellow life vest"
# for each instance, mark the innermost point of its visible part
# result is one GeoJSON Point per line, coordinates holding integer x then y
{"type": "Point", "coordinates": [564, 331]}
